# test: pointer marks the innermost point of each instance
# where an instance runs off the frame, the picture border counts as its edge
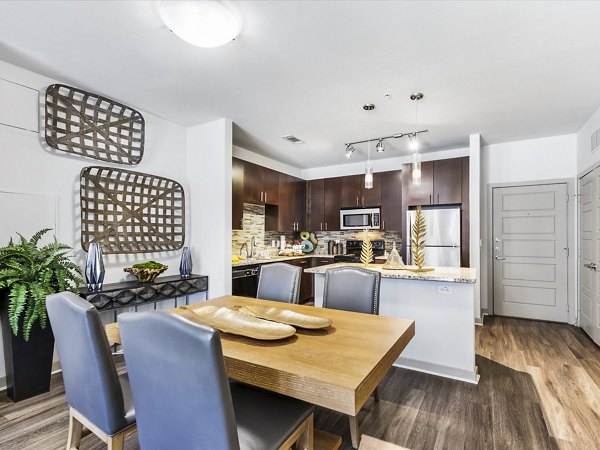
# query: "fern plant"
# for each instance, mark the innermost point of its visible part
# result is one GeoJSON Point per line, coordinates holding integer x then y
{"type": "Point", "coordinates": [30, 273]}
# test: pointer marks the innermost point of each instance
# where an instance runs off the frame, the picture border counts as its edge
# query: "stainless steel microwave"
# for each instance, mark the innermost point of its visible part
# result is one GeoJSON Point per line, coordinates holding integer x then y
{"type": "Point", "coordinates": [360, 219]}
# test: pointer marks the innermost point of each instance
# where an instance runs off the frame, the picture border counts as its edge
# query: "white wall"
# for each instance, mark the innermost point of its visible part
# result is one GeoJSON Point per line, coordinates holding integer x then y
{"type": "Point", "coordinates": [209, 171]}
{"type": "Point", "coordinates": [379, 165]}
{"type": "Point", "coordinates": [585, 158]}
{"type": "Point", "coordinates": [543, 159]}
{"type": "Point", "coordinates": [250, 156]}
{"type": "Point", "coordinates": [475, 218]}
{"type": "Point", "coordinates": [28, 167]}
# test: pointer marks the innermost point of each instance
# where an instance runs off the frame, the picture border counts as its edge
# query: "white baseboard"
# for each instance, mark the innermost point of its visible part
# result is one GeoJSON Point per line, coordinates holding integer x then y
{"type": "Point", "coordinates": [438, 369]}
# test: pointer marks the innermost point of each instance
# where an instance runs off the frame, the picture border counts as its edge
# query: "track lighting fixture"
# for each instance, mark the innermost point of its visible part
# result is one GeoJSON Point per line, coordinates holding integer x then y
{"type": "Point", "coordinates": [349, 150]}
{"type": "Point", "coordinates": [380, 147]}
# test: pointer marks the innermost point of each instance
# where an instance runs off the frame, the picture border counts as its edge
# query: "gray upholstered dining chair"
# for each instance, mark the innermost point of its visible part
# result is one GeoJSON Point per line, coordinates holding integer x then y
{"type": "Point", "coordinates": [184, 399]}
{"type": "Point", "coordinates": [279, 282]}
{"type": "Point", "coordinates": [98, 397]}
{"type": "Point", "coordinates": [353, 289]}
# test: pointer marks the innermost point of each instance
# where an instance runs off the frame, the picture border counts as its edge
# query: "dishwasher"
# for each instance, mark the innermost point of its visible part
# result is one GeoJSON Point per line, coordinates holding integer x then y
{"type": "Point", "coordinates": [244, 281]}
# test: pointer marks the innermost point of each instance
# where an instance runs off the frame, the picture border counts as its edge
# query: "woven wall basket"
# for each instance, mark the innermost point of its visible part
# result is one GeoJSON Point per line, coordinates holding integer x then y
{"type": "Point", "coordinates": [90, 125]}
{"type": "Point", "coordinates": [131, 212]}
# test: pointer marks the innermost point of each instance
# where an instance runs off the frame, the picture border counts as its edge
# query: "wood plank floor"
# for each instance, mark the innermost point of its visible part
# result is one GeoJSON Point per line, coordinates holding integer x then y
{"type": "Point", "coordinates": [539, 389]}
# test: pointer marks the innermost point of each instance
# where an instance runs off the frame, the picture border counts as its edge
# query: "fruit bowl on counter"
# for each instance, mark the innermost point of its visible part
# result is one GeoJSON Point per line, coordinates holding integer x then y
{"type": "Point", "coordinates": [146, 272]}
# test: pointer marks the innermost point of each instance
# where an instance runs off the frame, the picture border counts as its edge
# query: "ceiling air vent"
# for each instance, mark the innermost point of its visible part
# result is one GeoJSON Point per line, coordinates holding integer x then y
{"type": "Point", "coordinates": [293, 139]}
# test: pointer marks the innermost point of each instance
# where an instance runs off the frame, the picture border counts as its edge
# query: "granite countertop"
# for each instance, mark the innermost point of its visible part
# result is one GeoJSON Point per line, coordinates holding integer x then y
{"type": "Point", "coordinates": [251, 261]}
{"type": "Point", "coordinates": [451, 274]}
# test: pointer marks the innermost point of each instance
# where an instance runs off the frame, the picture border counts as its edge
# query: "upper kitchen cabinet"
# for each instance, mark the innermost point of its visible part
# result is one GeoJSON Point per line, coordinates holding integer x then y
{"type": "Point", "coordinates": [237, 194]}
{"type": "Point", "coordinates": [324, 204]}
{"type": "Point", "coordinates": [291, 203]}
{"type": "Point", "coordinates": [391, 200]}
{"type": "Point", "coordinates": [441, 183]}
{"type": "Point", "coordinates": [261, 185]}
{"type": "Point", "coordinates": [353, 193]}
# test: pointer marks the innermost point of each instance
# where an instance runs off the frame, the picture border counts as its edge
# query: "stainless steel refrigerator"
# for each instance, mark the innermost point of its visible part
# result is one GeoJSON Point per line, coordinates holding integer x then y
{"type": "Point", "coordinates": [442, 240]}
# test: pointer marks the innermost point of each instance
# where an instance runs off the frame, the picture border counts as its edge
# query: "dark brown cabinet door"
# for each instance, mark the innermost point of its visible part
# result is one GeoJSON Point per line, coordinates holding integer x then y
{"type": "Point", "coordinates": [391, 200]}
{"type": "Point", "coordinates": [316, 205]}
{"type": "Point", "coordinates": [285, 219]}
{"type": "Point", "coordinates": [253, 192]}
{"type": "Point", "coordinates": [371, 197]}
{"type": "Point", "coordinates": [447, 181]}
{"type": "Point", "coordinates": [299, 194]}
{"type": "Point", "coordinates": [350, 191]}
{"type": "Point", "coordinates": [306, 281]}
{"type": "Point", "coordinates": [331, 215]}
{"type": "Point", "coordinates": [270, 186]}
{"type": "Point", "coordinates": [421, 194]}
{"type": "Point", "coordinates": [237, 193]}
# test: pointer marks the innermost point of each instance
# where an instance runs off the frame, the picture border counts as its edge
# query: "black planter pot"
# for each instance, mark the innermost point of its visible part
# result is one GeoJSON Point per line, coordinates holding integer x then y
{"type": "Point", "coordinates": [28, 364]}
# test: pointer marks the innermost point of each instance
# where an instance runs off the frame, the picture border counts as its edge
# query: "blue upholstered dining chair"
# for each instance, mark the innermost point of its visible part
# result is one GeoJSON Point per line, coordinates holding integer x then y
{"type": "Point", "coordinates": [279, 282]}
{"type": "Point", "coordinates": [184, 399]}
{"type": "Point", "coordinates": [353, 289]}
{"type": "Point", "coordinates": [98, 397]}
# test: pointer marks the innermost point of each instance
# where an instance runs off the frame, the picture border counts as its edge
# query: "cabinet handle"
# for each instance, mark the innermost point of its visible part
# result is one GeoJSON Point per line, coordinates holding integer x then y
{"type": "Point", "coordinates": [321, 226]}
{"type": "Point", "coordinates": [325, 226]}
{"type": "Point", "coordinates": [363, 201]}
{"type": "Point", "coordinates": [357, 201]}
{"type": "Point", "coordinates": [430, 200]}
{"type": "Point", "coordinates": [265, 197]}
{"type": "Point", "coordinates": [261, 196]}
{"type": "Point", "coordinates": [383, 224]}
{"type": "Point", "coordinates": [438, 199]}
{"type": "Point", "coordinates": [302, 262]}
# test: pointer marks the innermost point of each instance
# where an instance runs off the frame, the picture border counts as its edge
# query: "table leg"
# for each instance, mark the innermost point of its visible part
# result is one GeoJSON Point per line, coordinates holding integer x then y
{"type": "Point", "coordinates": [354, 431]}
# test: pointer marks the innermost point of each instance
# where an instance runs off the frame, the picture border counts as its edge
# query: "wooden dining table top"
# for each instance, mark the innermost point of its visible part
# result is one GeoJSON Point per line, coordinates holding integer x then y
{"type": "Point", "coordinates": [337, 367]}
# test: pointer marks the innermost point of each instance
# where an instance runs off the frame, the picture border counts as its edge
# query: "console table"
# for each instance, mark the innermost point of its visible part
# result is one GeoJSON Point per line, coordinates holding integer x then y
{"type": "Point", "coordinates": [129, 294]}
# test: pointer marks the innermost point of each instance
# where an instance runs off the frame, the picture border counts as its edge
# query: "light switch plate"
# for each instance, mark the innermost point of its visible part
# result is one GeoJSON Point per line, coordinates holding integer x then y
{"type": "Point", "coordinates": [444, 290]}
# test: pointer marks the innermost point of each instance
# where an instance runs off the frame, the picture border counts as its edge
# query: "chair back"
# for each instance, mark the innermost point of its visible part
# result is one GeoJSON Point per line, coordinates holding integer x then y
{"type": "Point", "coordinates": [279, 282]}
{"type": "Point", "coordinates": [352, 289]}
{"type": "Point", "coordinates": [88, 370]}
{"type": "Point", "coordinates": [179, 383]}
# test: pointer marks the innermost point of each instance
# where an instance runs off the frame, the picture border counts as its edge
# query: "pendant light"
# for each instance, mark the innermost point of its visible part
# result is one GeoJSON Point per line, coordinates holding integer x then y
{"type": "Point", "coordinates": [414, 142]}
{"type": "Point", "coordinates": [369, 165]}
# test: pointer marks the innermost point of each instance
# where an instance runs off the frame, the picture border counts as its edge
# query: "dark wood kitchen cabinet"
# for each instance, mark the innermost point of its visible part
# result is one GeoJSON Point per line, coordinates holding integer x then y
{"type": "Point", "coordinates": [323, 202]}
{"type": "Point", "coordinates": [354, 194]}
{"type": "Point", "coordinates": [261, 185]}
{"type": "Point", "coordinates": [441, 183]}
{"type": "Point", "coordinates": [421, 194]}
{"type": "Point", "coordinates": [391, 200]}
{"type": "Point", "coordinates": [237, 194]}
{"type": "Point", "coordinates": [291, 210]}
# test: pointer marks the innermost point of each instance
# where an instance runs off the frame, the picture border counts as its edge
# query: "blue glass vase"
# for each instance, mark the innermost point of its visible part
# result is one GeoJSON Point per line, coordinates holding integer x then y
{"type": "Point", "coordinates": [185, 266]}
{"type": "Point", "coordinates": [94, 267]}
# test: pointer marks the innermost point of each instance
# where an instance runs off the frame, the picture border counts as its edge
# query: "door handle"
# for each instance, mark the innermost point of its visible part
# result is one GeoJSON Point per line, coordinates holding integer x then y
{"type": "Point", "coordinates": [591, 266]}
{"type": "Point", "coordinates": [499, 258]}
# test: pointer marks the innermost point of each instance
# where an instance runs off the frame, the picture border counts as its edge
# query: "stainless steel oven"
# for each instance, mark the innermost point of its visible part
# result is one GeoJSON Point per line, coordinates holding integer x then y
{"type": "Point", "coordinates": [360, 219]}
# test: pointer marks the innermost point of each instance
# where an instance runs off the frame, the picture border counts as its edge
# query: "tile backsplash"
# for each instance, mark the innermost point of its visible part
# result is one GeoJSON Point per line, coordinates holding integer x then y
{"type": "Point", "coordinates": [254, 226]}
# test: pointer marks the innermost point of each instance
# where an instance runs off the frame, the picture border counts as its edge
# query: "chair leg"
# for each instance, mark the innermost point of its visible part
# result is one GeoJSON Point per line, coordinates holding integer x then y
{"type": "Point", "coordinates": [116, 442]}
{"type": "Point", "coordinates": [75, 430]}
{"type": "Point", "coordinates": [306, 441]}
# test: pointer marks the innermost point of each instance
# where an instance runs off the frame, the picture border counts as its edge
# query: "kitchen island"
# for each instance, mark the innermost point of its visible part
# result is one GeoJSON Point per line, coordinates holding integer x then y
{"type": "Point", "coordinates": [441, 304]}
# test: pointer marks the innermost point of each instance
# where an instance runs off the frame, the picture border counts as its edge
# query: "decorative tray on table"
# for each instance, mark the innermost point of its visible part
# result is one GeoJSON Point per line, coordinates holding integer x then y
{"type": "Point", "coordinates": [286, 316]}
{"type": "Point", "coordinates": [236, 322]}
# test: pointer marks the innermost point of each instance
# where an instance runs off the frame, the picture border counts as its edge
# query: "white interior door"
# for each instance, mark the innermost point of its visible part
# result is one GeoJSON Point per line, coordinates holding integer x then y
{"type": "Point", "coordinates": [589, 241]}
{"type": "Point", "coordinates": [530, 251]}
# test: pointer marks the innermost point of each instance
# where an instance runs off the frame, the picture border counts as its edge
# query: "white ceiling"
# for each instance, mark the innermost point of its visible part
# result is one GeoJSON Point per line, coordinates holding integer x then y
{"type": "Point", "coordinates": [507, 70]}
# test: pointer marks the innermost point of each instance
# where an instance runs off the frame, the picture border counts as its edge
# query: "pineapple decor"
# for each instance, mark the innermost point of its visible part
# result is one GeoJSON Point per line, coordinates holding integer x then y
{"type": "Point", "coordinates": [417, 242]}
{"type": "Point", "coordinates": [366, 253]}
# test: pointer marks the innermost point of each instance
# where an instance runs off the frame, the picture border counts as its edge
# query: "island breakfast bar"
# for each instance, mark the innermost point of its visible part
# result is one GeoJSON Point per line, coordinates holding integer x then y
{"type": "Point", "coordinates": [441, 304]}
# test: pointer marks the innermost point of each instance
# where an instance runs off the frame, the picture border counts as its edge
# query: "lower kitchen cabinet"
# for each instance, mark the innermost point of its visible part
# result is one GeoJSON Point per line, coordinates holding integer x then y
{"type": "Point", "coordinates": [306, 282]}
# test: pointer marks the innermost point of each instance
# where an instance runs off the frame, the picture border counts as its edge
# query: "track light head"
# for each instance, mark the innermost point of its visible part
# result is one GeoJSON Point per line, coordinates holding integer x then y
{"type": "Point", "coordinates": [380, 147]}
{"type": "Point", "coordinates": [349, 150]}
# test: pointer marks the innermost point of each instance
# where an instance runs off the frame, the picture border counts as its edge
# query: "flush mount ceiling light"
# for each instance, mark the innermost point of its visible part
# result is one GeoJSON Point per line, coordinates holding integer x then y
{"type": "Point", "coordinates": [206, 24]}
